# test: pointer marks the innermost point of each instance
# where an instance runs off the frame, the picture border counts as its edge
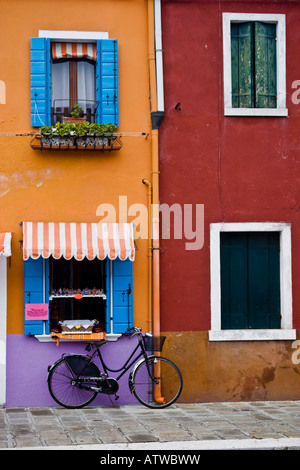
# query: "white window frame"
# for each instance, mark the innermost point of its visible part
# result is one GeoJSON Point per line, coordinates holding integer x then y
{"type": "Point", "coordinates": [57, 35]}
{"type": "Point", "coordinates": [279, 20]}
{"type": "Point", "coordinates": [286, 332]}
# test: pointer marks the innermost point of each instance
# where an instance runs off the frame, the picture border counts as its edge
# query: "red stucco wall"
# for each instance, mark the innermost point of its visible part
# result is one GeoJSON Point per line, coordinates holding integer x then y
{"type": "Point", "coordinates": [243, 169]}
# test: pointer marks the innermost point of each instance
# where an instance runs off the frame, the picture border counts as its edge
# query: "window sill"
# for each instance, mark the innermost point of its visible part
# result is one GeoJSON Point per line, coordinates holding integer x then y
{"type": "Point", "coordinates": [49, 339]}
{"type": "Point", "coordinates": [275, 112]}
{"type": "Point", "coordinates": [251, 335]}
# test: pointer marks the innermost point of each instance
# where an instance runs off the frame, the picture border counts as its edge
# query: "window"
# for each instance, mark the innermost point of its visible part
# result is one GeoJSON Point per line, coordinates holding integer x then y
{"type": "Point", "coordinates": [76, 75]}
{"type": "Point", "coordinates": [77, 290]}
{"type": "Point", "coordinates": [110, 303]}
{"type": "Point", "coordinates": [254, 64]}
{"type": "Point", "coordinates": [250, 284]}
{"type": "Point", "coordinates": [251, 281]}
{"type": "Point", "coordinates": [73, 77]}
{"type": "Point", "coordinates": [78, 271]}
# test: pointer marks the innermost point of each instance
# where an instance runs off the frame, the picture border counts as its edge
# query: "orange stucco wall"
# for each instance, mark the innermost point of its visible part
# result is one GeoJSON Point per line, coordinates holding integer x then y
{"type": "Point", "coordinates": [69, 186]}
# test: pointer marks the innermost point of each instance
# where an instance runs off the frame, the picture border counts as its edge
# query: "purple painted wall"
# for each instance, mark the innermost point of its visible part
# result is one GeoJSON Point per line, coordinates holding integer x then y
{"type": "Point", "coordinates": [28, 360]}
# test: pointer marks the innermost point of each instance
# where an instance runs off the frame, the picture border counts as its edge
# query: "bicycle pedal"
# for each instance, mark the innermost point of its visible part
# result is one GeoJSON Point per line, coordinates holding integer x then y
{"type": "Point", "coordinates": [117, 397]}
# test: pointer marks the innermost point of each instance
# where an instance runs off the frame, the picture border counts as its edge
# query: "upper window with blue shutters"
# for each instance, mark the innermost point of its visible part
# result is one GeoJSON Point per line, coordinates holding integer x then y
{"type": "Point", "coordinates": [64, 74]}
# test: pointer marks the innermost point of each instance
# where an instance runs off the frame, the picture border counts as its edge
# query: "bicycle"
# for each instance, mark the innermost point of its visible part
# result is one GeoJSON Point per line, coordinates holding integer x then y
{"type": "Point", "coordinates": [74, 380]}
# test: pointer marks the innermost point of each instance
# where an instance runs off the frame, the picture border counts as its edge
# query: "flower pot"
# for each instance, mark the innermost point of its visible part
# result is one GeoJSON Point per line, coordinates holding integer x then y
{"type": "Point", "coordinates": [73, 120]}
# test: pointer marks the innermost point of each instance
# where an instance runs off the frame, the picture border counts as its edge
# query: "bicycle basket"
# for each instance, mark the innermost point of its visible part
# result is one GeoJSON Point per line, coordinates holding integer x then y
{"type": "Point", "coordinates": [81, 365]}
{"type": "Point", "coordinates": [154, 343]}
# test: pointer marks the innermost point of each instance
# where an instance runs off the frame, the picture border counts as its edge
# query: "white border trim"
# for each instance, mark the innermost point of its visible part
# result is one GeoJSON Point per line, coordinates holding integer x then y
{"type": "Point", "coordinates": [287, 331]}
{"type": "Point", "coordinates": [73, 35]}
{"type": "Point", "coordinates": [3, 315]}
{"type": "Point", "coordinates": [279, 19]}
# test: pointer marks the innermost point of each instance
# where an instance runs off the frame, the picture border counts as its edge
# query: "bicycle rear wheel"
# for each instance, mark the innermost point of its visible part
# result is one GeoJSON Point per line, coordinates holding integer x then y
{"type": "Point", "coordinates": [63, 383]}
{"type": "Point", "coordinates": [156, 382]}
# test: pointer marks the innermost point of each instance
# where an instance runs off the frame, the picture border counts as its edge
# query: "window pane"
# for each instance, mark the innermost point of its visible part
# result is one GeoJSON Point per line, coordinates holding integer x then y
{"type": "Point", "coordinates": [60, 85]}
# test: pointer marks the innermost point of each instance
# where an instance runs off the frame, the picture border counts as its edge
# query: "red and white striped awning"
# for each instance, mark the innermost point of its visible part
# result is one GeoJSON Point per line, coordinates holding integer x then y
{"type": "Point", "coordinates": [5, 244]}
{"type": "Point", "coordinates": [78, 240]}
{"type": "Point", "coordinates": [74, 50]}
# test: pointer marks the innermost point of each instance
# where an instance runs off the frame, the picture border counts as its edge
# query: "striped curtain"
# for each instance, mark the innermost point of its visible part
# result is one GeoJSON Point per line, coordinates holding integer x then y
{"type": "Point", "coordinates": [76, 50]}
{"type": "Point", "coordinates": [5, 244]}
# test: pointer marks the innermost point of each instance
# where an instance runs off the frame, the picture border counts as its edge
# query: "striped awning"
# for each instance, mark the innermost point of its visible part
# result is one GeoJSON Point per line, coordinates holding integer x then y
{"type": "Point", "coordinates": [78, 240]}
{"type": "Point", "coordinates": [5, 244]}
{"type": "Point", "coordinates": [74, 50]}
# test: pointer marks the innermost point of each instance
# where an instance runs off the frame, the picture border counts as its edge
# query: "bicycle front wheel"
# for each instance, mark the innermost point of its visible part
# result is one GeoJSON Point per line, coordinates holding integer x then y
{"type": "Point", "coordinates": [66, 378]}
{"type": "Point", "coordinates": [156, 382]}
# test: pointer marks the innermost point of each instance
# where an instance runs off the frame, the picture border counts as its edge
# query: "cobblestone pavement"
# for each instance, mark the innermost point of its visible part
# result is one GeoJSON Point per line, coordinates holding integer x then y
{"type": "Point", "coordinates": [191, 423]}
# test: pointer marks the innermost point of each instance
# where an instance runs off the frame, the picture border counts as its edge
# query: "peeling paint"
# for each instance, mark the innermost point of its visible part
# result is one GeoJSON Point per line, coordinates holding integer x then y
{"type": "Point", "coordinates": [23, 180]}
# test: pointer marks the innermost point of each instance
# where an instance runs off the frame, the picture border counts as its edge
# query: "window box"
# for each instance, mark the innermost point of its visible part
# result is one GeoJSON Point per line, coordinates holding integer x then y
{"type": "Point", "coordinates": [77, 136]}
{"type": "Point", "coordinates": [100, 143]}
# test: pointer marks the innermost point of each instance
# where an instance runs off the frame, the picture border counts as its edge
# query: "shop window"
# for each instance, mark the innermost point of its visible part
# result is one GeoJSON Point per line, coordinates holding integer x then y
{"type": "Point", "coordinates": [77, 291]}
{"type": "Point", "coordinates": [78, 272]}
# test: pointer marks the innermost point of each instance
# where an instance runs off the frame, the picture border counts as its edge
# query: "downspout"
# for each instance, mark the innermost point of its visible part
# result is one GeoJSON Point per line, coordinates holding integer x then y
{"type": "Point", "coordinates": [157, 113]}
{"type": "Point", "coordinates": [149, 186]}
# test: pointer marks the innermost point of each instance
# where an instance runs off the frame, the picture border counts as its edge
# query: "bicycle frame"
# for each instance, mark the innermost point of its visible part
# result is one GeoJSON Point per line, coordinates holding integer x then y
{"type": "Point", "coordinates": [132, 359]}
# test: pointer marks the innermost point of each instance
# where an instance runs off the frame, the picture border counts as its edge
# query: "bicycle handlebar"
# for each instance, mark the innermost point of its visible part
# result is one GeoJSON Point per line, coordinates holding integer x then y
{"type": "Point", "coordinates": [136, 330]}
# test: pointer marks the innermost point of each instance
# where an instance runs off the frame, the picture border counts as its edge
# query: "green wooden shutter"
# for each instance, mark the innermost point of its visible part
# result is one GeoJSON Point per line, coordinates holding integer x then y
{"type": "Point", "coordinates": [263, 280]}
{"type": "Point", "coordinates": [250, 280]}
{"type": "Point", "coordinates": [242, 65]}
{"type": "Point", "coordinates": [234, 284]}
{"type": "Point", "coordinates": [265, 65]}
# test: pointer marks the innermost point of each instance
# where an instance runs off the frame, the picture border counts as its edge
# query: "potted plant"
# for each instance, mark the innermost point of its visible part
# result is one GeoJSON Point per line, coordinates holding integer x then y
{"type": "Point", "coordinates": [98, 134]}
{"type": "Point", "coordinates": [76, 115]}
{"type": "Point", "coordinates": [61, 135]}
{"type": "Point", "coordinates": [78, 136]}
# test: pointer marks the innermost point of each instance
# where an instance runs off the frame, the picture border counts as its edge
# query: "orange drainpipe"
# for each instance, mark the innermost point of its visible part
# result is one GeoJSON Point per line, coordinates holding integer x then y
{"type": "Point", "coordinates": [149, 186]}
{"type": "Point", "coordinates": [155, 181]}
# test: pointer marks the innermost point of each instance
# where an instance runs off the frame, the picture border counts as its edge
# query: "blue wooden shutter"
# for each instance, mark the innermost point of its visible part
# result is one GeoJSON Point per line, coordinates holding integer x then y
{"type": "Point", "coordinates": [108, 313]}
{"type": "Point", "coordinates": [36, 290]}
{"type": "Point", "coordinates": [122, 296]}
{"type": "Point", "coordinates": [40, 82]}
{"type": "Point", "coordinates": [107, 82]}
